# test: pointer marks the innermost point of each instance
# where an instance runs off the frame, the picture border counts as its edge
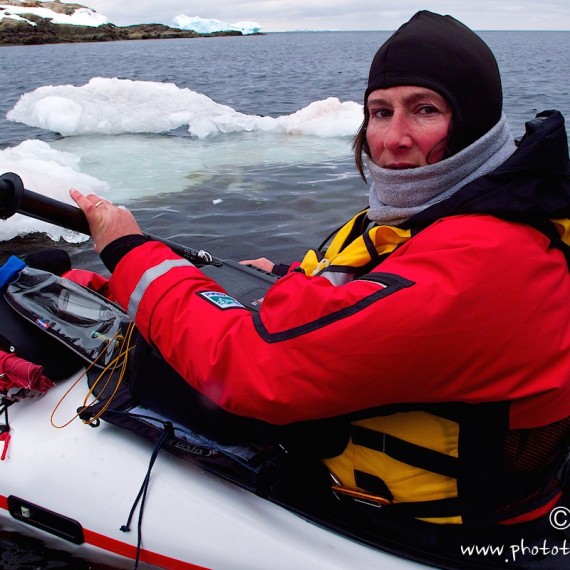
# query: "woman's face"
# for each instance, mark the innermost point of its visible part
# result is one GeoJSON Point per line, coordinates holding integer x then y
{"type": "Point", "coordinates": [408, 126]}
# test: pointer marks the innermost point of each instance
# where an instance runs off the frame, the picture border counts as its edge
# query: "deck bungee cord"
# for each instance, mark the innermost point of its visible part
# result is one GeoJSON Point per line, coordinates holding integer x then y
{"type": "Point", "coordinates": [142, 494]}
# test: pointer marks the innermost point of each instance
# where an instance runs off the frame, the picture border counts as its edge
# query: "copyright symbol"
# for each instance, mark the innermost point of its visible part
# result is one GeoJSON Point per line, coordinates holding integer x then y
{"type": "Point", "coordinates": [560, 518]}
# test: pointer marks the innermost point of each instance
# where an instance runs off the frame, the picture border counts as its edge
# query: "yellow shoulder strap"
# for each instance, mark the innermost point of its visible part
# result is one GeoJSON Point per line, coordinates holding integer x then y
{"type": "Point", "coordinates": [359, 251]}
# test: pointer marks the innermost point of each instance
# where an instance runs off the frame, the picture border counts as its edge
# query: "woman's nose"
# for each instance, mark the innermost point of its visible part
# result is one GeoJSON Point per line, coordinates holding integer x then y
{"type": "Point", "coordinates": [399, 133]}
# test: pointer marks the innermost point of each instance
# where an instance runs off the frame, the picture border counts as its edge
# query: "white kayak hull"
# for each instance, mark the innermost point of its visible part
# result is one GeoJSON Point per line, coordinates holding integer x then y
{"type": "Point", "coordinates": [192, 518]}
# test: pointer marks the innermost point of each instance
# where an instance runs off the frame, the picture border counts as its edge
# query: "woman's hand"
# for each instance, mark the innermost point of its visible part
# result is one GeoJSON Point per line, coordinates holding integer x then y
{"type": "Point", "coordinates": [106, 221]}
{"type": "Point", "coordinates": [260, 263]}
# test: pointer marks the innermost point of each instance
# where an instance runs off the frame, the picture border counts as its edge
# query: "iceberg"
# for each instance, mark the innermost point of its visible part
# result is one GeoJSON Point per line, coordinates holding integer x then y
{"type": "Point", "coordinates": [209, 26]}
{"type": "Point", "coordinates": [112, 106]}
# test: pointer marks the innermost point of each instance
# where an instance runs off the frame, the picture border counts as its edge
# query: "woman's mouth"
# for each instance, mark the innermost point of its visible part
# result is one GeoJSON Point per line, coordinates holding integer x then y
{"type": "Point", "coordinates": [400, 166]}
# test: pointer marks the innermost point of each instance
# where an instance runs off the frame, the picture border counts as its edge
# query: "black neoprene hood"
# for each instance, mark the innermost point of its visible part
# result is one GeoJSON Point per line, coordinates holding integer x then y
{"type": "Point", "coordinates": [442, 54]}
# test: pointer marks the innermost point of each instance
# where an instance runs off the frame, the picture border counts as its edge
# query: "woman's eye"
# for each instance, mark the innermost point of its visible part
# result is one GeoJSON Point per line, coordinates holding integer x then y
{"type": "Point", "coordinates": [428, 109]}
{"type": "Point", "coordinates": [382, 113]}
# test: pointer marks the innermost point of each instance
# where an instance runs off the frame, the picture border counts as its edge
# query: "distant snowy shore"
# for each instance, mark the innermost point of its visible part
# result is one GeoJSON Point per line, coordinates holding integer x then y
{"type": "Point", "coordinates": [51, 21]}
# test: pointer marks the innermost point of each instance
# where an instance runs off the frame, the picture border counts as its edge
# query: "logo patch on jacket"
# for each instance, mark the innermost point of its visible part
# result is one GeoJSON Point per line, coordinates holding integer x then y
{"type": "Point", "coordinates": [221, 300]}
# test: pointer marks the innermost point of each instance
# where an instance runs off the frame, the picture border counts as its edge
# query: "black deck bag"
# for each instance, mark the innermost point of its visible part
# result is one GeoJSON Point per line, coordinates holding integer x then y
{"type": "Point", "coordinates": [32, 344]}
{"type": "Point", "coordinates": [63, 326]}
{"type": "Point", "coordinates": [25, 338]}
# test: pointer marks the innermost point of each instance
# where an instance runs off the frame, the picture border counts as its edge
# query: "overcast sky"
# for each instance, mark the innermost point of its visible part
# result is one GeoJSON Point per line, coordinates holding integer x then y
{"type": "Point", "coordinates": [287, 15]}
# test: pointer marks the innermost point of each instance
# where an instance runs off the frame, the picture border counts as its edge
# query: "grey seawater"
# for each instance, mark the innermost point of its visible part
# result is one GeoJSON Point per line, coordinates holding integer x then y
{"type": "Point", "coordinates": [270, 210]}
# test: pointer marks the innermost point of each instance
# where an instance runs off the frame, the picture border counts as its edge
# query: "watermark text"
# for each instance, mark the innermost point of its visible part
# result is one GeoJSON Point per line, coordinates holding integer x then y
{"type": "Point", "coordinates": [513, 552]}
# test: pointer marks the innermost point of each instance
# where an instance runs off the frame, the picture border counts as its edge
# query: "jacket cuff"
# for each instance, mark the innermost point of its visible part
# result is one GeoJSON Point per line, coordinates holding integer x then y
{"type": "Point", "coordinates": [116, 250]}
{"type": "Point", "coordinates": [281, 269]}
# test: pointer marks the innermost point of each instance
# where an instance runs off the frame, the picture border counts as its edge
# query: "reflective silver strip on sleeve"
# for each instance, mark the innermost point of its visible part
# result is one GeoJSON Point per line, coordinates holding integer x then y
{"type": "Point", "coordinates": [147, 278]}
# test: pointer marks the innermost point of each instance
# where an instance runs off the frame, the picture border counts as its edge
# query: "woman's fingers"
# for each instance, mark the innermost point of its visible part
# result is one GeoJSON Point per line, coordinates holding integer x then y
{"type": "Point", "coordinates": [107, 222]}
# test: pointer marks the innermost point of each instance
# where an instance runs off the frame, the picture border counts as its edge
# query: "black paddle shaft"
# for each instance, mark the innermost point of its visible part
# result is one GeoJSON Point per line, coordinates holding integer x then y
{"type": "Point", "coordinates": [14, 198]}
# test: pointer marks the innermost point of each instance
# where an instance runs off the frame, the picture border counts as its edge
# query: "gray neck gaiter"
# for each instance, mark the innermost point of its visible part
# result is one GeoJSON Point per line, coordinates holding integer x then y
{"type": "Point", "coordinates": [397, 195]}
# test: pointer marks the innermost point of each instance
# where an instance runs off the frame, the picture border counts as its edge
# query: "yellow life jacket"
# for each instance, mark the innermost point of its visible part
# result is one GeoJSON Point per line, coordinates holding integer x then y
{"type": "Point", "coordinates": [405, 457]}
{"type": "Point", "coordinates": [452, 463]}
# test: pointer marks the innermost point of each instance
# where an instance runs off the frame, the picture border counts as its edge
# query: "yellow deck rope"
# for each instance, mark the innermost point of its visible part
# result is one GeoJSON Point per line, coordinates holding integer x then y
{"type": "Point", "coordinates": [119, 362]}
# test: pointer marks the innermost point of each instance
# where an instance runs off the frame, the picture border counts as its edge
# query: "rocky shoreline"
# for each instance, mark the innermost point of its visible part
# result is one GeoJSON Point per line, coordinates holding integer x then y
{"type": "Point", "coordinates": [19, 32]}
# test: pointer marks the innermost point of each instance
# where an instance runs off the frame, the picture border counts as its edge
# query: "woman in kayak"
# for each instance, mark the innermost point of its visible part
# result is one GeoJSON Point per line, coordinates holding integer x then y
{"type": "Point", "coordinates": [437, 322]}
